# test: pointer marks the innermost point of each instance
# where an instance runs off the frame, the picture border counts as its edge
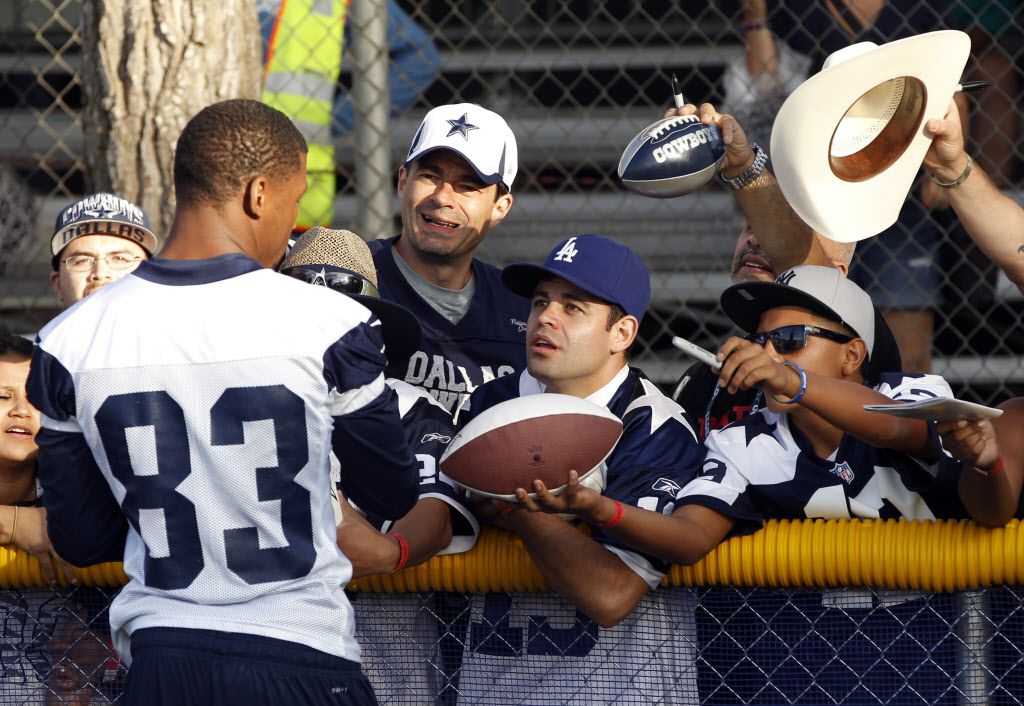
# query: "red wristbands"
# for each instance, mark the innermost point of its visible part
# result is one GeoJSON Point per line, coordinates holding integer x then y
{"type": "Point", "coordinates": [403, 552]}
{"type": "Point", "coordinates": [616, 517]}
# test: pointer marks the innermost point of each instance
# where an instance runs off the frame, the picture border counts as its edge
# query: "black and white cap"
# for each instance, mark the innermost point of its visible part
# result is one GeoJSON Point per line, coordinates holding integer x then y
{"type": "Point", "coordinates": [824, 291]}
{"type": "Point", "coordinates": [480, 136]}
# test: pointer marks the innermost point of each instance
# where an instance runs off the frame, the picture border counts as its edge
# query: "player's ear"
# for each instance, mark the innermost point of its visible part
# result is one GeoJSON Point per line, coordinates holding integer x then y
{"type": "Point", "coordinates": [254, 197]}
{"type": "Point", "coordinates": [854, 354]}
{"type": "Point", "coordinates": [623, 333]}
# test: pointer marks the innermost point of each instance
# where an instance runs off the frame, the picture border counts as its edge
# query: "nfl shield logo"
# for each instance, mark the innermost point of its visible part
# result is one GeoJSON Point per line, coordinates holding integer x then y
{"type": "Point", "coordinates": [844, 471]}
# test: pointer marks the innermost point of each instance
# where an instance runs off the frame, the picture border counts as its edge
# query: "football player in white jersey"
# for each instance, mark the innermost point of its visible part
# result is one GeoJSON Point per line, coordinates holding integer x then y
{"type": "Point", "coordinates": [188, 415]}
{"type": "Point", "coordinates": [606, 636]}
{"type": "Point", "coordinates": [402, 670]}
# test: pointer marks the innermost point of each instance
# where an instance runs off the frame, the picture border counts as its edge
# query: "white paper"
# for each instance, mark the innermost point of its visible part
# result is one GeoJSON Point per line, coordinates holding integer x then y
{"type": "Point", "coordinates": [939, 409]}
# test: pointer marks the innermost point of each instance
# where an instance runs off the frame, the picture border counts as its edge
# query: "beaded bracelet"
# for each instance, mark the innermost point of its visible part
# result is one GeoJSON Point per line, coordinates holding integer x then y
{"type": "Point", "coordinates": [403, 552]}
{"type": "Point", "coordinates": [803, 385]}
{"type": "Point", "coordinates": [959, 180]}
{"type": "Point", "coordinates": [616, 517]}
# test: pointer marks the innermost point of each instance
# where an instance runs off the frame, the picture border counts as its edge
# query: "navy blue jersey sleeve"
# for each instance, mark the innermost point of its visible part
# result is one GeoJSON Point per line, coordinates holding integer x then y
{"type": "Point", "coordinates": [84, 521]}
{"type": "Point", "coordinates": [379, 471]}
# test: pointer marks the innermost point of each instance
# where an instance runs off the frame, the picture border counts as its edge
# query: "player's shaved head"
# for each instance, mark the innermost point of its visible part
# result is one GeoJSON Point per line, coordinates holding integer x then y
{"type": "Point", "coordinates": [228, 143]}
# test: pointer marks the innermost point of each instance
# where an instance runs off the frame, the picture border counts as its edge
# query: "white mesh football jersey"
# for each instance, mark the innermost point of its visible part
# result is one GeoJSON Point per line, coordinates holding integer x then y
{"type": "Point", "coordinates": [764, 467]}
{"type": "Point", "coordinates": [537, 648]}
{"type": "Point", "coordinates": [213, 432]}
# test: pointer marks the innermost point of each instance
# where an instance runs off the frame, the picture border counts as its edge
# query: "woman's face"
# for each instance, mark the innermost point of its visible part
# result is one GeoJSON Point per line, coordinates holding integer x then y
{"type": "Point", "coordinates": [19, 421]}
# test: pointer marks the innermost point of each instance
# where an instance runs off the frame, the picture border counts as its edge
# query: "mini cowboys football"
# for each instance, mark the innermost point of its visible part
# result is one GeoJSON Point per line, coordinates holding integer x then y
{"type": "Point", "coordinates": [535, 437]}
{"type": "Point", "coordinates": [671, 157]}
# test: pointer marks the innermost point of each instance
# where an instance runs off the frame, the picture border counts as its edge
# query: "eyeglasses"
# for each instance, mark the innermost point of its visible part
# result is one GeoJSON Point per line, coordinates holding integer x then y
{"type": "Point", "coordinates": [789, 339]}
{"type": "Point", "coordinates": [114, 260]}
{"type": "Point", "coordinates": [344, 282]}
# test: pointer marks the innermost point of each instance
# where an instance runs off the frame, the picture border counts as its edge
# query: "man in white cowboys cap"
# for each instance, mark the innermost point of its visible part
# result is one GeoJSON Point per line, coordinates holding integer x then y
{"type": "Point", "coordinates": [454, 187]}
{"type": "Point", "coordinates": [97, 240]}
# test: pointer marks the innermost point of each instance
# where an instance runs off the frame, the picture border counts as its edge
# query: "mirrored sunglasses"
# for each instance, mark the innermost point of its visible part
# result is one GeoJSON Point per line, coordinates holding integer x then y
{"type": "Point", "coordinates": [344, 282]}
{"type": "Point", "coordinates": [789, 339]}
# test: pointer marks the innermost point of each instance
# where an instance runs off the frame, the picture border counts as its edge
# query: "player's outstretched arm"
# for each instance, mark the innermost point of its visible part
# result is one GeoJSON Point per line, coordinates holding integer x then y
{"type": "Point", "coordinates": [993, 456]}
{"type": "Point", "coordinates": [993, 220]}
{"type": "Point", "coordinates": [589, 576]}
{"type": "Point", "coordinates": [427, 529]}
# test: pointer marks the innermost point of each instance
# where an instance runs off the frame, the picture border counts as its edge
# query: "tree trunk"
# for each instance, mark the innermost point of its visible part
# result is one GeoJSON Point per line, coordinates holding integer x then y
{"type": "Point", "coordinates": [148, 66]}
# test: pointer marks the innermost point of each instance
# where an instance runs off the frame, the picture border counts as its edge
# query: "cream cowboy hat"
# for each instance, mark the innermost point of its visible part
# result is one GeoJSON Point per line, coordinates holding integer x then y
{"type": "Point", "coordinates": [849, 140]}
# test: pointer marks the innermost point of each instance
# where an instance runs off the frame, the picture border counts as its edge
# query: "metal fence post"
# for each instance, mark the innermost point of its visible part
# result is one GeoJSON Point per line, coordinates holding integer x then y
{"type": "Point", "coordinates": [369, 43]}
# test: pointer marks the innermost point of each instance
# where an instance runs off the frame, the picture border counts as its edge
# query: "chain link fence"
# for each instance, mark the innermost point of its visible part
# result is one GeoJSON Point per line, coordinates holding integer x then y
{"type": "Point", "coordinates": [681, 646]}
{"type": "Point", "coordinates": [576, 79]}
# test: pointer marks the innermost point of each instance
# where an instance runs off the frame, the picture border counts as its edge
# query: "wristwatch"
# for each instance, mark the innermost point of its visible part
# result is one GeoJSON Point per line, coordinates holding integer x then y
{"type": "Point", "coordinates": [741, 181]}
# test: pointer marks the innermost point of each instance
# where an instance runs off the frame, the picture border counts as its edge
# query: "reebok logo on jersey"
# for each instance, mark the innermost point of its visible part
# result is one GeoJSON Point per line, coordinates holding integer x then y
{"type": "Point", "coordinates": [667, 485]}
{"type": "Point", "coordinates": [434, 436]}
{"type": "Point", "coordinates": [844, 471]}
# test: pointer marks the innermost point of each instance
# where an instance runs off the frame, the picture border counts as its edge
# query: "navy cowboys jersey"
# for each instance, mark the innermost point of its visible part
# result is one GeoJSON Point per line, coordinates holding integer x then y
{"type": "Point", "coordinates": [540, 644]}
{"type": "Point", "coordinates": [455, 359]}
{"type": "Point", "coordinates": [211, 433]}
{"type": "Point", "coordinates": [763, 467]}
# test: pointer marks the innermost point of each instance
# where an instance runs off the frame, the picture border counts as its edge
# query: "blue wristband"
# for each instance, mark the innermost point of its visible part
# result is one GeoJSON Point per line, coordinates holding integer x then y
{"type": "Point", "coordinates": [803, 385]}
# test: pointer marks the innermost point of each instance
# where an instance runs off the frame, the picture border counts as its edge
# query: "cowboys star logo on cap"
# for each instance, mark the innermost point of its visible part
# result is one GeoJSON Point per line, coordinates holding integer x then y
{"type": "Point", "coordinates": [461, 126]}
{"type": "Point", "coordinates": [492, 151]}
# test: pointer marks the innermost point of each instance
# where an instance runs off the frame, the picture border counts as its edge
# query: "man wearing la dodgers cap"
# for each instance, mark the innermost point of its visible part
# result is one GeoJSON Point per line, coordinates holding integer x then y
{"type": "Point", "coordinates": [454, 187]}
{"type": "Point", "coordinates": [97, 240]}
{"type": "Point", "coordinates": [587, 300]}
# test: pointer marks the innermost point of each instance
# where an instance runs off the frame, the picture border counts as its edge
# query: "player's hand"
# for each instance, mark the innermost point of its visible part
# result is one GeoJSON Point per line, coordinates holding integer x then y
{"type": "Point", "coordinates": [945, 157]}
{"type": "Point", "coordinates": [31, 536]}
{"type": "Point", "coordinates": [576, 499]}
{"type": "Point", "coordinates": [370, 551]}
{"type": "Point", "coordinates": [746, 365]}
{"type": "Point", "coordinates": [973, 442]}
{"type": "Point", "coordinates": [739, 156]}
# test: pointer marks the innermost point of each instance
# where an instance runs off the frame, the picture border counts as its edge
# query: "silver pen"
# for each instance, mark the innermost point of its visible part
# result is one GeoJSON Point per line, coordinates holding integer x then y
{"type": "Point", "coordinates": [692, 349]}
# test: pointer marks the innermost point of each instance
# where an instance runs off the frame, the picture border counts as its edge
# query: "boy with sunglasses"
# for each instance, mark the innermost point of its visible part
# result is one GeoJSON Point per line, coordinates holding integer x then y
{"type": "Point", "coordinates": [814, 451]}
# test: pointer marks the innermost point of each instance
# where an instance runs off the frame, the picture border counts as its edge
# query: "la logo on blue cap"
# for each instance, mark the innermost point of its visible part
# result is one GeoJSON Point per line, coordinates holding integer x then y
{"type": "Point", "coordinates": [568, 251]}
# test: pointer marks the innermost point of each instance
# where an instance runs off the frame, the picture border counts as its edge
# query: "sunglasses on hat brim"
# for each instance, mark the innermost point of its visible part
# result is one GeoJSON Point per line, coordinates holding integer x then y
{"type": "Point", "coordinates": [789, 339]}
{"type": "Point", "coordinates": [339, 281]}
